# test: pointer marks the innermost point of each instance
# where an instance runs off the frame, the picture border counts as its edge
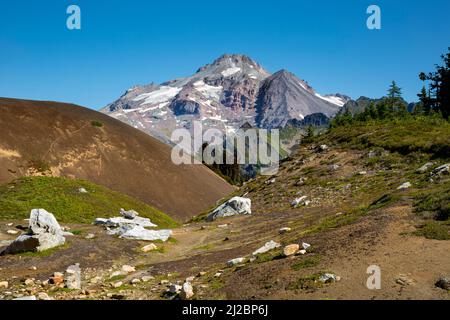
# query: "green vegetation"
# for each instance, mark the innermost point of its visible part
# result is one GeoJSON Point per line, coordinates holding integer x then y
{"type": "Point", "coordinates": [97, 124]}
{"type": "Point", "coordinates": [424, 134]}
{"type": "Point", "coordinates": [39, 165]}
{"type": "Point", "coordinates": [433, 205]}
{"type": "Point", "coordinates": [61, 197]}
{"type": "Point", "coordinates": [308, 262]}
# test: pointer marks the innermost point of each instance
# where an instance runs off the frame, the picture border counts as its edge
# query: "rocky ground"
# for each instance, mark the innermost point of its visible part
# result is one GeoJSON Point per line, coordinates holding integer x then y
{"type": "Point", "coordinates": [330, 214]}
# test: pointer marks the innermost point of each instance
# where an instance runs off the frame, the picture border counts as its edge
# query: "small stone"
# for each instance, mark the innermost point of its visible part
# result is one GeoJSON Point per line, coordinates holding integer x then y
{"type": "Point", "coordinates": [43, 296]}
{"type": "Point", "coordinates": [29, 282]}
{"type": "Point", "coordinates": [4, 284]}
{"type": "Point", "coordinates": [135, 281]}
{"type": "Point", "coordinates": [201, 274]}
{"type": "Point", "coordinates": [187, 291]}
{"type": "Point", "coordinates": [73, 277]}
{"type": "Point", "coordinates": [12, 232]}
{"type": "Point", "coordinates": [284, 230]}
{"type": "Point", "coordinates": [90, 236]}
{"type": "Point", "coordinates": [306, 245]}
{"type": "Point", "coordinates": [291, 249]}
{"type": "Point", "coordinates": [222, 226]}
{"type": "Point", "coordinates": [82, 190]}
{"type": "Point", "coordinates": [149, 247]}
{"type": "Point", "coordinates": [302, 252]}
{"type": "Point", "coordinates": [190, 279]}
{"type": "Point", "coordinates": [33, 268]}
{"type": "Point", "coordinates": [217, 275]}
{"type": "Point", "coordinates": [128, 269]}
{"type": "Point", "coordinates": [117, 284]}
{"type": "Point", "coordinates": [236, 261]}
{"type": "Point", "coordinates": [362, 173]}
{"type": "Point", "coordinates": [404, 186]}
{"type": "Point", "coordinates": [328, 277]}
{"type": "Point", "coordinates": [164, 282]}
{"type": "Point", "coordinates": [147, 278]}
{"type": "Point", "coordinates": [175, 288]}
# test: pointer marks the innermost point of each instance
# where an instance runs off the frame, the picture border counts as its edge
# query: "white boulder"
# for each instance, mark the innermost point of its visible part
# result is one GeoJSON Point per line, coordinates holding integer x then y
{"type": "Point", "coordinates": [234, 206]}
{"type": "Point", "coordinates": [138, 232]}
{"type": "Point", "coordinates": [72, 277]}
{"type": "Point", "coordinates": [267, 247]}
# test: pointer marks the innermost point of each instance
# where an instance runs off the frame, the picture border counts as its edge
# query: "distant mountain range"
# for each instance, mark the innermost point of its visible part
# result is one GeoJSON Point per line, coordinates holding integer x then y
{"type": "Point", "coordinates": [232, 91]}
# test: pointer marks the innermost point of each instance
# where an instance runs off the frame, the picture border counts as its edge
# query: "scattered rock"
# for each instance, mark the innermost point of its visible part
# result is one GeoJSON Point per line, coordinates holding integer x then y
{"type": "Point", "coordinates": [443, 283]}
{"type": "Point", "coordinates": [130, 214]}
{"type": "Point", "coordinates": [284, 230]}
{"type": "Point", "coordinates": [218, 274]}
{"type": "Point", "coordinates": [12, 232]}
{"type": "Point", "coordinates": [128, 269]}
{"type": "Point", "coordinates": [44, 233]}
{"type": "Point", "coordinates": [43, 296]}
{"type": "Point", "coordinates": [140, 233]}
{"type": "Point", "coordinates": [362, 173]}
{"type": "Point", "coordinates": [135, 281]}
{"type": "Point", "coordinates": [299, 201]}
{"type": "Point", "coordinates": [73, 277]}
{"type": "Point", "coordinates": [222, 226]}
{"type": "Point", "coordinates": [82, 190]}
{"type": "Point", "coordinates": [306, 245]}
{"type": "Point", "coordinates": [33, 268]}
{"type": "Point", "coordinates": [441, 170]}
{"type": "Point", "coordinates": [164, 282]}
{"type": "Point", "coordinates": [29, 282]}
{"type": "Point", "coordinates": [404, 186]}
{"type": "Point", "coordinates": [328, 278]}
{"type": "Point", "coordinates": [121, 221]}
{"type": "Point", "coordinates": [90, 236]}
{"type": "Point", "coordinates": [57, 278]}
{"type": "Point", "coordinates": [290, 250]}
{"type": "Point", "coordinates": [302, 252]}
{"type": "Point", "coordinates": [322, 148]}
{"type": "Point", "coordinates": [190, 279]}
{"type": "Point", "coordinates": [236, 261]}
{"type": "Point", "coordinates": [117, 284]}
{"type": "Point", "coordinates": [4, 284]}
{"type": "Point", "coordinates": [187, 291]}
{"type": "Point", "coordinates": [175, 288]}
{"type": "Point", "coordinates": [201, 274]}
{"type": "Point", "coordinates": [149, 247]}
{"type": "Point", "coordinates": [425, 167]}
{"type": "Point", "coordinates": [234, 206]}
{"type": "Point", "coordinates": [270, 181]}
{"type": "Point", "coordinates": [147, 278]}
{"type": "Point", "coordinates": [267, 247]}
{"type": "Point", "coordinates": [333, 167]}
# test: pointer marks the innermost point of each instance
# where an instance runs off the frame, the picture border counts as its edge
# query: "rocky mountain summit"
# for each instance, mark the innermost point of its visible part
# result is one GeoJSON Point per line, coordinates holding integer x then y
{"type": "Point", "coordinates": [229, 92]}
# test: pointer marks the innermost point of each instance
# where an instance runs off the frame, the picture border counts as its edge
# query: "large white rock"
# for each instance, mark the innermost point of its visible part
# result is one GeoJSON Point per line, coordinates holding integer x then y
{"type": "Point", "coordinates": [234, 206]}
{"type": "Point", "coordinates": [44, 233]}
{"type": "Point", "coordinates": [235, 262]}
{"type": "Point", "coordinates": [42, 221]}
{"type": "Point", "coordinates": [267, 247]}
{"type": "Point", "coordinates": [120, 221]}
{"type": "Point", "coordinates": [187, 291]}
{"type": "Point", "coordinates": [130, 214]}
{"type": "Point", "coordinates": [140, 233]}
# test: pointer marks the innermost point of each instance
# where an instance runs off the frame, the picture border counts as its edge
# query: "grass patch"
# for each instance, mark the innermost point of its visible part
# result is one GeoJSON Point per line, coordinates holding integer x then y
{"type": "Point", "coordinates": [434, 230]}
{"type": "Point", "coordinates": [61, 197]}
{"type": "Point", "coordinates": [96, 123]}
{"type": "Point", "coordinates": [117, 278]}
{"type": "Point", "coordinates": [306, 263]}
{"type": "Point", "coordinates": [45, 253]}
{"type": "Point", "coordinates": [269, 256]}
{"type": "Point", "coordinates": [77, 232]}
{"type": "Point", "coordinates": [204, 247]}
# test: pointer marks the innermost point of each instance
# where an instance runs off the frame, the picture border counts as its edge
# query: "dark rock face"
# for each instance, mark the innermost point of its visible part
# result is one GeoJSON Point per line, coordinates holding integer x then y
{"type": "Point", "coordinates": [284, 97]}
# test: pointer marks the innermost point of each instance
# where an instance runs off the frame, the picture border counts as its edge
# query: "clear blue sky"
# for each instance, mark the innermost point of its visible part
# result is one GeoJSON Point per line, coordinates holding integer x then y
{"type": "Point", "coordinates": [123, 43]}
